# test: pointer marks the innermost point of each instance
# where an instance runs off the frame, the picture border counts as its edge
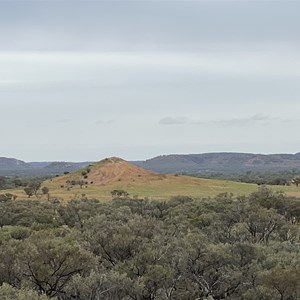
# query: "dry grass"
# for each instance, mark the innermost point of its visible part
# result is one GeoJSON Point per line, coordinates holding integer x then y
{"type": "Point", "coordinates": [114, 173]}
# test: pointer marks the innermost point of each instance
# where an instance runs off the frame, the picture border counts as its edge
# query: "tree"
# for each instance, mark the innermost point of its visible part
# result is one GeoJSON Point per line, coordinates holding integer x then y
{"type": "Point", "coordinates": [29, 191]}
{"type": "Point", "coordinates": [49, 261]}
{"type": "Point", "coordinates": [2, 182]}
{"type": "Point", "coordinates": [45, 191]}
{"type": "Point", "coordinates": [119, 193]}
{"type": "Point", "coordinates": [261, 223]}
{"type": "Point", "coordinates": [296, 180]}
{"type": "Point", "coordinates": [7, 197]}
{"type": "Point", "coordinates": [9, 267]}
{"type": "Point", "coordinates": [8, 292]}
{"type": "Point", "coordinates": [285, 281]}
{"type": "Point", "coordinates": [100, 284]}
{"type": "Point", "coordinates": [32, 189]}
{"type": "Point", "coordinates": [81, 183]}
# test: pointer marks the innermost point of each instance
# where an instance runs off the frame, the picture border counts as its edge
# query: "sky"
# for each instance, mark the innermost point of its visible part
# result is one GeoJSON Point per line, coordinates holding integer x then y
{"type": "Point", "coordinates": [85, 80]}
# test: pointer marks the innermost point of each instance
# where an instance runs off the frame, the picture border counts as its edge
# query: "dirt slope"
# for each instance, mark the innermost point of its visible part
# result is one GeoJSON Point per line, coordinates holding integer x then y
{"type": "Point", "coordinates": [109, 171]}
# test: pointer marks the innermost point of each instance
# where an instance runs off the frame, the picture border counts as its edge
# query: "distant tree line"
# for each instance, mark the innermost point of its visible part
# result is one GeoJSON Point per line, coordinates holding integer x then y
{"type": "Point", "coordinates": [12, 182]}
{"type": "Point", "coordinates": [261, 178]}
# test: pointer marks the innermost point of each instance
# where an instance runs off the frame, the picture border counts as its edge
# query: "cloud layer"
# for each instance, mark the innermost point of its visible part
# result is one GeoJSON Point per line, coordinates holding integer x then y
{"type": "Point", "coordinates": [257, 119]}
{"type": "Point", "coordinates": [101, 78]}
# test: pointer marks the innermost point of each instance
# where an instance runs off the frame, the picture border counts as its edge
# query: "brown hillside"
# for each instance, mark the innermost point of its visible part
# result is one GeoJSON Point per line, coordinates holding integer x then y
{"type": "Point", "coordinates": [109, 171]}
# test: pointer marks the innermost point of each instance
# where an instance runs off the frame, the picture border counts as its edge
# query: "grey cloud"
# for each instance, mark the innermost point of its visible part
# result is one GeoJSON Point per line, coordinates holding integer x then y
{"type": "Point", "coordinates": [64, 121]}
{"type": "Point", "coordinates": [235, 122]}
{"type": "Point", "coordinates": [205, 65]}
{"type": "Point", "coordinates": [256, 119]}
{"type": "Point", "coordinates": [174, 121]}
{"type": "Point", "coordinates": [103, 122]}
{"type": "Point", "coordinates": [260, 117]}
{"type": "Point", "coordinates": [127, 25]}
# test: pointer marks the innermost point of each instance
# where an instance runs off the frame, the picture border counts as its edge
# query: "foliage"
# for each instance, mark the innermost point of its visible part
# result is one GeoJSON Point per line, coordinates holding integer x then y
{"type": "Point", "coordinates": [119, 193]}
{"type": "Point", "coordinates": [296, 180]}
{"type": "Point", "coordinates": [32, 188]}
{"type": "Point", "coordinates": [225, 247]}
{"type": "Point", "coordinates": [12, 182]}
{"type": "Point", "coordinates": [7, 197]}
{"type": "Point", "coordinates": [259, 178]}
{"type": "Point", "coordinates": [8, 292]}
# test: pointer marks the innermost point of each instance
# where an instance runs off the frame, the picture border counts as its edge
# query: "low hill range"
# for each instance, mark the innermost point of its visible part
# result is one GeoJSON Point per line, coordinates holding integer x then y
{"type": "Point", "coordinates": [12, 164]}
{"type": "Point", "coordinates": [15, 167]}
{"type": "Point", "coordinates": [223, 162]}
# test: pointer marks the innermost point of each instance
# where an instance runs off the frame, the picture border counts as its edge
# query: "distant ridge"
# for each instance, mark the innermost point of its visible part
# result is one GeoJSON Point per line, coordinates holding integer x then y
{"type": "Point", "coordinates": [12, 163]}
{"type": "Point", "coordinates": [224, 162]}
{"type": "Point", "coordinates": [15, 167]}
{"type": "Point", "coordinates": [67, 166]}
{"type": "Point", "coordinates": [227, 162]}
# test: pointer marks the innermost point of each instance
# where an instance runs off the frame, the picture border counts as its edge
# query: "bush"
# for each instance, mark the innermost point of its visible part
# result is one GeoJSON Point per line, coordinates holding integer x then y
{"type": "Point", "coordinates": [8, 292]}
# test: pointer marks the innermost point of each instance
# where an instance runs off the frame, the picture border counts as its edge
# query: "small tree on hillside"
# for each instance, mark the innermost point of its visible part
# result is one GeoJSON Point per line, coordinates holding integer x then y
{"type": "Point", "coordinates": [28, 191]}
{"type": "Point", "coordinates": [32, 189]}
{"type": "Point", "coordinates": [45, 191]}
{"type": "Point", "coordinates": [81, 183]}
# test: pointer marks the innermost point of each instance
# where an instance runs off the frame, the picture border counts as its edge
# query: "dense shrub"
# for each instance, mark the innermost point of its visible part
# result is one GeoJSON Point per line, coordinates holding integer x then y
{"type": "Point", "coordinates": [222, 248]}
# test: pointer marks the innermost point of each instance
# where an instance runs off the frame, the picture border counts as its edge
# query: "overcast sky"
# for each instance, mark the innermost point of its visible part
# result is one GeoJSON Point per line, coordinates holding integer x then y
{"type": "Point", "coordinates": [83, 80]}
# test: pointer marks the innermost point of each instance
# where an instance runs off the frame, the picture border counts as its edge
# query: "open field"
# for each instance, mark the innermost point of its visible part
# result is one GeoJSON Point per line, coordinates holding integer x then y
{"type": "Point", "coordinates": [161, 189]}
